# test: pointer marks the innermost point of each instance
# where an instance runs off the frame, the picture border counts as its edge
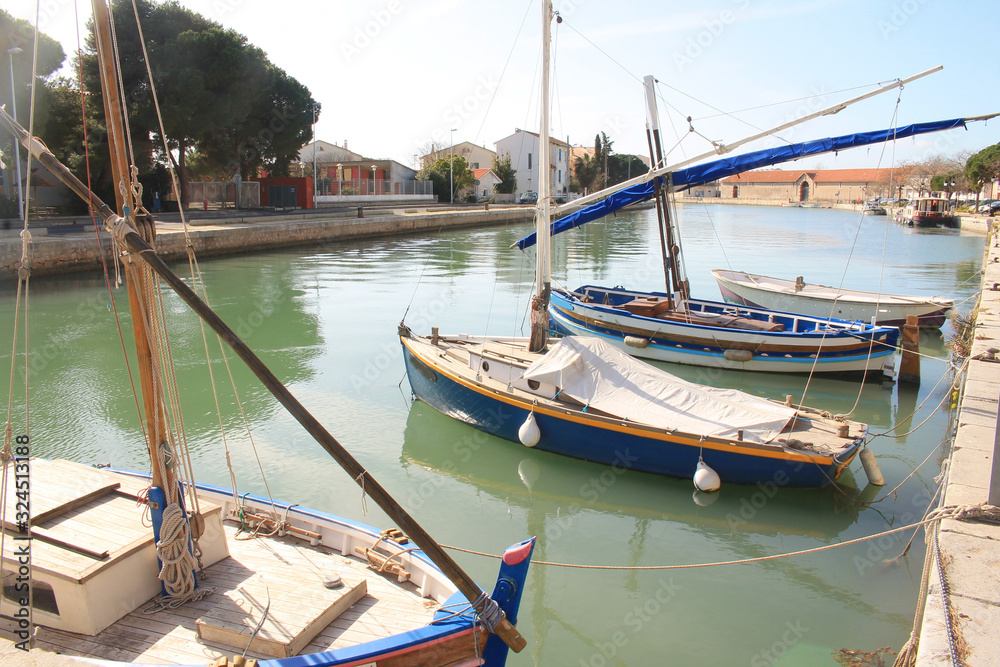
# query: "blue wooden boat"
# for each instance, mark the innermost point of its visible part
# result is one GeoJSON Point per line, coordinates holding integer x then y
{"type": "Point", "coordinates": [493, 384]}
{"type": "Point", "coordinates": [655, 325]}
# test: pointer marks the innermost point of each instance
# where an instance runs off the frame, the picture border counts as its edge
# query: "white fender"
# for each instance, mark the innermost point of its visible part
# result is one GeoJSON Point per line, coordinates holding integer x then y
{"type": "Point", "coordinates": [706, 479]}
{"type": "Point", "coordinates": [529, 434]}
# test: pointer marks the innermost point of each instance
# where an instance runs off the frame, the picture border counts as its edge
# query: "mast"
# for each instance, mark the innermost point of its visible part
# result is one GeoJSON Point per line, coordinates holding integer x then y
{"type": "Point", "coordinates": [543, 263]}
{"type": "Point", "coordinates": [669, 234]}
{"type": "Point", "coordinates": [136, 282]}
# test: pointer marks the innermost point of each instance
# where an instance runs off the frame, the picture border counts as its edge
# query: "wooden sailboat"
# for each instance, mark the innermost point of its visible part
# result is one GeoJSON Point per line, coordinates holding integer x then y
{"type": "Point", "coordinates": [758, 291]}
{"type": "Point", "coordinates": [241, 575]}
{"type": "Point", "coordinates": [757, 335]}
{"type": "Point", "coordinates": [583, 398]}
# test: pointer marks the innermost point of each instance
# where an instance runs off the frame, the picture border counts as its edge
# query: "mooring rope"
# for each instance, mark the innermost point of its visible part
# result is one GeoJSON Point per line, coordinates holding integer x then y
{"type": "Point", "coordinates": [981, 512]}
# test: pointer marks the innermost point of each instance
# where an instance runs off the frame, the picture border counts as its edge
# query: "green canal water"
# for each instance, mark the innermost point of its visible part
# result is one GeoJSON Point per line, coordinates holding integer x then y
{"type": "Point", "coordinates": [324, 318]}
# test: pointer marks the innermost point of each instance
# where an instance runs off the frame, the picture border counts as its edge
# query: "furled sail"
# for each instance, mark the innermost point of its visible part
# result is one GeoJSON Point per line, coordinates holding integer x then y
{"type": "Point", "coordinates": [718, 169]}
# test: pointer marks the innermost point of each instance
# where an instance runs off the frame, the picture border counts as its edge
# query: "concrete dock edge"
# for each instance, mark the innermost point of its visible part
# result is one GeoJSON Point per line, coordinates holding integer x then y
{"type": "Point", "coordinates": [970, 550]}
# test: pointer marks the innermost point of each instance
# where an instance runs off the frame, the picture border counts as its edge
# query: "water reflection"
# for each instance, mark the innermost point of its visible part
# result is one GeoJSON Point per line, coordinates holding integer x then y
{"type": "Point", "coordinates": [566, 487]}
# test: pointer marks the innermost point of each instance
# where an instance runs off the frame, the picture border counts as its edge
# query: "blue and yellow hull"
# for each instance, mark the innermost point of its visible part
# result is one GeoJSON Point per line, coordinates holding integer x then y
{"type": "Point", "coordinates": [574, 432]}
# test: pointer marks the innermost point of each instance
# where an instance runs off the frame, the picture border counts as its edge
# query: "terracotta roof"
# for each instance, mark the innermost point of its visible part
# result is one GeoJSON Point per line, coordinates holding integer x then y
{"type": "Point", "coordinates": [479, 173]}
{"type": "Point", "coordinates": [818, 176]}
{"type": "Point", "coordinates": [852, 175]}
{"type": "Point", "coordinates": [767, 176]}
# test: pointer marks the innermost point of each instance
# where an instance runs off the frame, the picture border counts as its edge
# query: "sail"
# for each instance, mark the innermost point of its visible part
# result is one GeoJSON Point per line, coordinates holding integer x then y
{"type": "Point", "coordinates": [737, 164]}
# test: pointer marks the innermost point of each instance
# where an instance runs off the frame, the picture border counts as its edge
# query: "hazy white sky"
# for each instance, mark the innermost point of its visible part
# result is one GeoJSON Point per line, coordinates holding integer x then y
{"type": "Point", "coordinates": [394, 76]}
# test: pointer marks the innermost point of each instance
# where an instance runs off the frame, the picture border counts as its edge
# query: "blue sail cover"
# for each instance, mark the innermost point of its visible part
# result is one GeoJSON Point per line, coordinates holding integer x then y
{"type": "Point", "coordinates": [737, 164]}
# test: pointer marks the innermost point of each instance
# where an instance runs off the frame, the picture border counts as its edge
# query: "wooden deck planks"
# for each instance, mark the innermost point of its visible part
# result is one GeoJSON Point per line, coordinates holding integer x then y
{"type": "Point", "coordinates": [170, 636]}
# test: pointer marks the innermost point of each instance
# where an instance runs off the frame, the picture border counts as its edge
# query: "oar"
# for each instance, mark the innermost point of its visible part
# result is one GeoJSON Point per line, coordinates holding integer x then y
{"type": "Point", "coordinates": [138, 246]}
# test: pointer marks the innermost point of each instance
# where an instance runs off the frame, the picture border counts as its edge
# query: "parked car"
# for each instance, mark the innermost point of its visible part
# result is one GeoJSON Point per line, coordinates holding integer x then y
{"type": "Point", "coordinates": [529, 197]}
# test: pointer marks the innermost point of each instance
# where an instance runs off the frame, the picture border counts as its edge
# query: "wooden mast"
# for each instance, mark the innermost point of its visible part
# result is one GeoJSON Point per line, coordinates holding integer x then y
{"type": "Point", "coordinates": [543, 262]}
{"type": "Point", "coordinates": [669, 241]}
{"type": "Point", "coordinates": [136, 282]}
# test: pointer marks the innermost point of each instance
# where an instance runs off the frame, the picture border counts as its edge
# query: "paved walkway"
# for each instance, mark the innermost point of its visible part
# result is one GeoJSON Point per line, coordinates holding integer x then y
{"type": "Point", "coordinates": [970, 551]}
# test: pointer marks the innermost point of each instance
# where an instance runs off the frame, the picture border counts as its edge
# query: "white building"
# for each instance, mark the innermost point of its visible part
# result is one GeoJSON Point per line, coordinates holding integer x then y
{"type": "Point", "coordinates": [485, 183]}
{"type": "Point", "coordinates": [522, 146]}
{"type": "Point", "coordinates": [327, 155]}
{"type": "Point", "coordinates": [476, 157]}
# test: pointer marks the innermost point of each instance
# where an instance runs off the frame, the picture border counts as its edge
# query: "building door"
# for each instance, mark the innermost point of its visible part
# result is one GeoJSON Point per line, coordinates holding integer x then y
{"type": "Point", "coordinates": [804, 191]}
{"type": "Point", "coordinates": [281, 196]}
{"type": "Point", "coordinates": [736, 191]}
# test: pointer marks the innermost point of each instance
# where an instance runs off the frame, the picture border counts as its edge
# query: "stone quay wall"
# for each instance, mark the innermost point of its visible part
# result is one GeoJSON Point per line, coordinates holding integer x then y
{"type": "Point", "coordinates": [64, 253]}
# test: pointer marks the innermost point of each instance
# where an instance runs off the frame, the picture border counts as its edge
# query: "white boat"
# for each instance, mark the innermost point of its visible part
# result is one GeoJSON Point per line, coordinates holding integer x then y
{"type": "Point", "coordinates": [157, 569]}
{"type": "Point", "coordinates": [798, 296]}
{"type": "Point", "coordinates": [927, 212]}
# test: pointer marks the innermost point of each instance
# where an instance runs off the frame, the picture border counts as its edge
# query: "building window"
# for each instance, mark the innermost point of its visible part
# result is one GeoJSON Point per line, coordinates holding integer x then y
{"type": "Point", "coordinates": [560, 155]}
{"type": "Point", "coordinates": [560, 176]}
{"type": "Point", "coordinates": [529, 160]}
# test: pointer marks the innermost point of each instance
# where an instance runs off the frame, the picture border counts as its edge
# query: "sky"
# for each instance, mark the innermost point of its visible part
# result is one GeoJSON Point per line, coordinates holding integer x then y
{"type": "Point", "coordinates": [396, 76]}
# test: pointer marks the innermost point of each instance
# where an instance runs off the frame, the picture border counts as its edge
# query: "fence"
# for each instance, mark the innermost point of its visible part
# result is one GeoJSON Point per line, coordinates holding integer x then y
{"type": "Point", "coordinates": [223, 194]}
{"type": "Point", "coordinates": [347, 188]}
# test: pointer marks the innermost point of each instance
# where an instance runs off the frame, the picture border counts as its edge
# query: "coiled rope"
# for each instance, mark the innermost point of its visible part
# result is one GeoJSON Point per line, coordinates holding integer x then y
{"type": "Point", "coordinates": [177, 572]}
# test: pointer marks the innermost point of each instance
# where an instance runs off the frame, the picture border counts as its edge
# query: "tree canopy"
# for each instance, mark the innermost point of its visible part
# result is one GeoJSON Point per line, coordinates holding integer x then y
{"type": "Point", "coordinates": [983, 167]}
{"type": "Point", "coordinates": [441, 175]}
{"type": "Point", "coordinates": [506, 173]}
{"type": "Point", "coordinates": [218, 94]}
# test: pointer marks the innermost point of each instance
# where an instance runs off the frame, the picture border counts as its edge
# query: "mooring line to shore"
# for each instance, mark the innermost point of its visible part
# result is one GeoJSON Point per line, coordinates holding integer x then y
{"type": "Point", "coordinates": [981, 512]}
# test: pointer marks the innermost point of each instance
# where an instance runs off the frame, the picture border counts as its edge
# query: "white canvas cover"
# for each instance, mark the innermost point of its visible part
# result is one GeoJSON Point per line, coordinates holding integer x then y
{"type": "Point", "coordinates": [602, 376]}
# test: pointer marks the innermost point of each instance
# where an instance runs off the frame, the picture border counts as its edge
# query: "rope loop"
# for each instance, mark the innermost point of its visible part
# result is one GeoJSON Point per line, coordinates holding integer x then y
{"type": "Point", "coordinates": [491, 613]}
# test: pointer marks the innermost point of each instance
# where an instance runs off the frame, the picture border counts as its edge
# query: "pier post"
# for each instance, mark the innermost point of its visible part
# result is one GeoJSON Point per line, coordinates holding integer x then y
{"type": "Point", "coordinates": [909, 365]}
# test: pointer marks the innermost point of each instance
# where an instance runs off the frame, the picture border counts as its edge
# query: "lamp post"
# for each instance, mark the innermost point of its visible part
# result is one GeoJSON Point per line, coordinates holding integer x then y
{"type": "Point", "coordinates": [340, 179]}
{"type": "Point", "coordinates": [11, 52]}
{"type": "Point", "coordinates": [451, 169]}
{"type": "Point", "coordinates": [314, 153]}
{"type": "Point", "coordinates": [373, 180]}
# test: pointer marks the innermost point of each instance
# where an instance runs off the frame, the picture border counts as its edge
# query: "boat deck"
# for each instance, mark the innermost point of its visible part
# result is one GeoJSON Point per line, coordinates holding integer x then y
{"type": "Point", "coordinates": [283, 575]}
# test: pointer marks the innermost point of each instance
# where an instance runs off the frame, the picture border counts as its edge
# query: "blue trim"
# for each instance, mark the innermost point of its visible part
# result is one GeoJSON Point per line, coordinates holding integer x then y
{"type": "Point", "coordinates": [601, 441]}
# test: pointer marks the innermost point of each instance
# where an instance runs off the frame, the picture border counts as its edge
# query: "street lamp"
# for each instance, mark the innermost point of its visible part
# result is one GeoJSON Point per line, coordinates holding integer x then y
{"type": "Point", "coordinates": [13, 51]}
{"type": "Point", "coordinates": [340, 179]}
{"type": "Point", "coordinates": [451, 169]}
{"type": "Point", "coordinates": [314, 153]}
{"type": "Point", "coordinates": [373, 180]}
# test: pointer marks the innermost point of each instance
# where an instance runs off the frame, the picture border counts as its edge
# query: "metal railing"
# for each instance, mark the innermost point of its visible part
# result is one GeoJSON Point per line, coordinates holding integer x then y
{"type": "Point", "coordinates": [224, 194]}
{"type": "Point", "coordinates": [367, 186]}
